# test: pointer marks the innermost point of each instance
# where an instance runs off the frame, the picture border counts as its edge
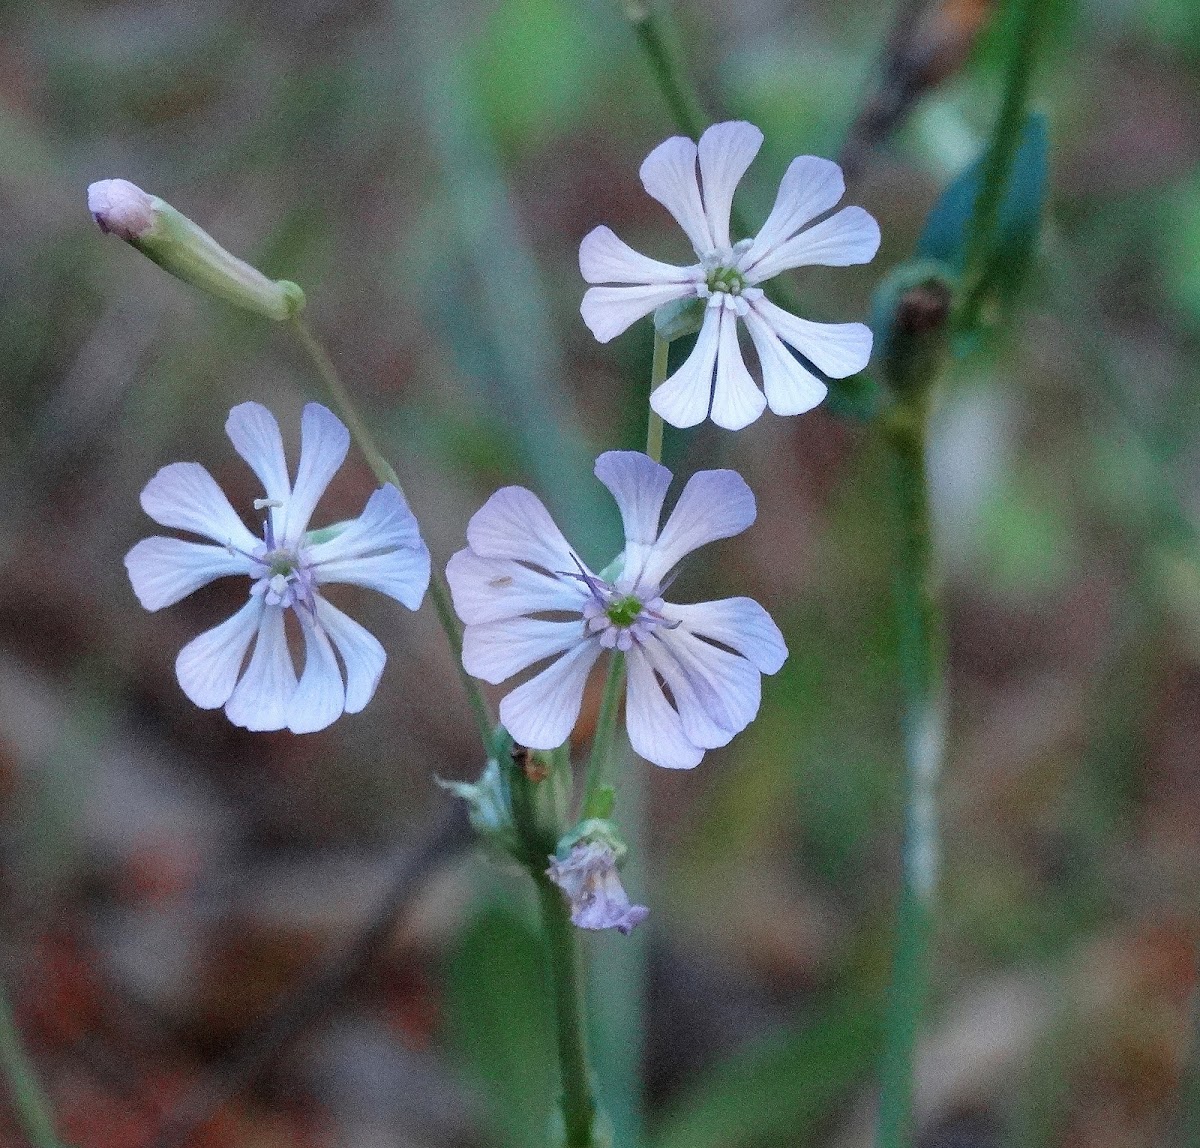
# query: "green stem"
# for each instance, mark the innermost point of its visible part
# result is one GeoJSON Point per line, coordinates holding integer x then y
{"type": "Point", "coordinates": [28, 1100]}
{"type": "Point", "coordinates": [439, 592]}
{"type": "Point", "coordinates": [579, 1109]}
{"type": "Point", "coordinates": [658, 375]}
{"type": "Point", "coordinates": [978, 263]}
{"type": "Point", "coordinates": [681, 99]}
{"type": "Point", "coordinates": [920, 658]}
{"type": "Point", "coordinates": [597, 800]}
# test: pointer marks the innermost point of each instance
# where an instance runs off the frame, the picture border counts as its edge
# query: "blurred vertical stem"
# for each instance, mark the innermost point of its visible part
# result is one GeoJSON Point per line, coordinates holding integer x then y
{"type": "Point", "coordinates": [650, 29]}
{"type": "Point", "coordinates": [597, 800]}
{"type": "Point", "coordinates": [439, 592]}
{"type": "Point", "coordinates": [29, 1102]}
{"type": "Point", "coordinates": [920, 662]}
{"type": "Point", "coordinates": [1029, 17]}
{"type": "Point", "coordinates": [658, 375]}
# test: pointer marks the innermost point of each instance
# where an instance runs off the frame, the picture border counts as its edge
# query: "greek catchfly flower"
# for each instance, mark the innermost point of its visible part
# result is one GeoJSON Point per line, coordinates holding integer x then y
{"type": "Point", "coordinates": [714, 381]}
{"type": "Point", "coordinates": [288, 567]}
{"type": "Point", "coordinates": [526, 597]}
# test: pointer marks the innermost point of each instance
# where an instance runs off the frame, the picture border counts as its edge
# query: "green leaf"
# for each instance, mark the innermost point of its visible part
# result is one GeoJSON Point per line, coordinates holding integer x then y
{"type": "Point", "coordinates": [944, 237]}
{"type": "Point", "coordinates": [780, 1090]}
{"type": "Point", "coordinates": [499, 1023]}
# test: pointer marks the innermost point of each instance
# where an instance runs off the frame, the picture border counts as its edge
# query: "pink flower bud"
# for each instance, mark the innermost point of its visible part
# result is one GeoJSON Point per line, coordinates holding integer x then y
{"type": "Point", "coordinates": [121, 207]}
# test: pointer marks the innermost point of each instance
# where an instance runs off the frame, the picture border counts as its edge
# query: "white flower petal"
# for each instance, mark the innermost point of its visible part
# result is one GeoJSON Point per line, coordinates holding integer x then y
{"type": "Point", "coordinates": [164, 570]}
{"type": "Point", "coordinates": [490, 589]}
{"type": "Point", "coordinates": [837, 349]}
{"type": "Point", "coordinates": [849, 236]}
{"type": "Point", "coordinates": [606, 258]}
{"type": "Point", "coordinates": [542, 712]}
{"type": "Point", "coordinates": [726, 151]}
{"type": "Point", "coordinates": [716, 693]}
{"type": "Point", "coordinates": [739, 623]}
{"type": "Point", "coordinates": [810, 187]}
{"type": "Point", "coordinates": [608, 311]}
{"type": "Point", "coordinates": [736, 401]}
{"type": "Point", "coordinates": [494, 651]}
{"type": "Point", "coordinates": [386, 523]}
{"type": "Point", "coordinates": [514, 524]}
{"type": "Point", "coordinates": [669, 175]}
{"type": "Point", "coordinates": [255, 436]}
{"type": "Point", "coordinates": [655, 729]}
{"type": "Point", "coordinates": [324, 442]}
{"type": "Point", "coordinates": [683, 400]}
{"type": "Point", "coordinates": [402, 574]}
{"type": "Point", "coordinates": [261, 699]}
{"type": "Point", "coordinates": [320, 696]}
{"type": "Point", "coordinates": [639, 485]}
{"type": "Point", "coordinates": [714, 504]}
{"type": "Point", "coordinates": [185, 496]}
{"type": "Point", "coordinates": [362, 655]}
{"type": "Point", "coordinates": [790, 387]}
{"type": "Point", "coordinates": [208, 666]}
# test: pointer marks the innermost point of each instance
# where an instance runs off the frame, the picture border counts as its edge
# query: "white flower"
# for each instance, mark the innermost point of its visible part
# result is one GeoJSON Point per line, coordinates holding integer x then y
{"type": "Point", "coordinates": [287, 567]}
{"type": "Point", "coordinates": [598, 899]}
{"type": "Point", "coordinates": [714, 380]}
{"type": "Point", "coordinates": [518, 571]}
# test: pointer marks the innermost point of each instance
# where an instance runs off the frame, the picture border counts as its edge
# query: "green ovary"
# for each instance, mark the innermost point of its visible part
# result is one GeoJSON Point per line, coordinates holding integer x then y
{"type": "Point", "coordinates": [624, 611]}
{"type": "Point", "coordinates": [726, 279]}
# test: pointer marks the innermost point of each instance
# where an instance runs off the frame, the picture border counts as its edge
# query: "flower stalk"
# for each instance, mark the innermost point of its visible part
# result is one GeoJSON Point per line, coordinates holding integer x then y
{"type": "Point", "coordinates": [29, 1102]}
{"type": "Point", "coordinates": [598, 793]}
{"type": "Point", "coordinates": [385, 473]}
{"type": "Point", "coordinates": [658, 375]}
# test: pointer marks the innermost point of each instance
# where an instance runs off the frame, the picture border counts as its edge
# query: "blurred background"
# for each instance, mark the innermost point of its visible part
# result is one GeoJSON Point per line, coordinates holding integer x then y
{"type": "Point", "coordinates": [426, 172]}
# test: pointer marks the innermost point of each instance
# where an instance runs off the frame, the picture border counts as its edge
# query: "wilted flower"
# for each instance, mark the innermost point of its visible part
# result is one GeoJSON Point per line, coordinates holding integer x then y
{"type": "Point", "coordinates": [518, 571]}
{"type": "Point", "coordinates": [714, 380]}
{"type": "Point", "coordinates": [588, 876]}
{"type": "Point", "coordinates": [287, 568]}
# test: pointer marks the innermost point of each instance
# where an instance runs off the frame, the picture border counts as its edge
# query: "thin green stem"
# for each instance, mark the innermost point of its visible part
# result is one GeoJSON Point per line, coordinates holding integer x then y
{"type": "Point", "coordinates": [920, 665]}
{"type": "Point", "coordinates": [28, 1100]}
{"type": "Point", "coordinates": [439, 592]}
{"type": "Point", "coordinates": [658, 375]}
{"type": "Point", "coordinates": [650, 29]}
{"type": "Point", "coordinates": [978, 264]}
{"type": "Point", "coordinates": [597, 800]}
{"type": "Point", "coordinates": [579, 1110]}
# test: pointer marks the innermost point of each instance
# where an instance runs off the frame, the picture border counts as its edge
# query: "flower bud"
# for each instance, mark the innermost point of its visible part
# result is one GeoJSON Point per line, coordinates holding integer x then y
{"type": "Point", "coordinates": [187, 251]}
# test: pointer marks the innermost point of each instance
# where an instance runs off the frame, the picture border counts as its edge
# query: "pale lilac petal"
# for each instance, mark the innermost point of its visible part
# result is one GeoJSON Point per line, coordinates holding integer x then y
{"type": "Point", "coordinates": [514, 524]}
{"type": "Point", "coordinates": [714, 504]}
{"type": "Point", "coordinates": [542, 712]}
{"type": "Point", "coordinates": [655, 729]}
{"type": "Point", "coordinates": [606, 258]}
{"type": "Point", "coordinates": [320, 696]}
{"type": "Point", "coordinates": [185, 496]}
{"type": "Point", "coordinates": [739, 623]}
{"type": "Point", "coordinates": [639, 485]}
{"type": "Point", "coordinates": [608, 311]}
{"type": "Point", "coordinates": [593, 888]}
{"type": "Point", "coordinates": [361, 653]}
{"type": "Point", "coordinates": [402, 574]}
{"type": "Point", "coordinates": [164, 570]}
{"type": "Point", "coordinates": [849, 236]}
{"type": "Point", "coordinates": [324, 442]}
{"type": "Point", "coordinates": [683, 400]}
{"type": "Point", "coordinates": [494, 651]}
{"type": "Point", "coordinates": [726, 151]}
{"type": "Point", "coordinates": [716, 693]}
{"type": "Point", "coordinates": [791, 388]}
{"type": "Point", "coordinates": [736, 401]}
{"type": "Point", "coordinates": [255, 436]}
{"type": "Point", "coordinates": [261, 699]}
{"type": "Point", "coordinates": [208, 666]}
{"type": "Point", "coordinates": [669, 175]}
{"type": "Point", "coordinates": [490, 590]}
{"type": "Point", "coordinates": [837, 349]}
{"type": "Point", "coordinates": [810, 187]}
{"type": "Point", "coordinates": [386, 523]}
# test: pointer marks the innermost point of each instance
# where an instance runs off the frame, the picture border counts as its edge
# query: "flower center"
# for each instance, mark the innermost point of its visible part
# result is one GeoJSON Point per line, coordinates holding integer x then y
{"type": "Point", "coordinates": [285, 579]}
{"type": "Point", "coordinates": [624, 611]}
{"type": "Point", "coordinates": [726, 280]}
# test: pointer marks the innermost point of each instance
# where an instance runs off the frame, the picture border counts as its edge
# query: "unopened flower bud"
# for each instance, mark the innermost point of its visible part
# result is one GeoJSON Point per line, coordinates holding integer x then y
{"type": "Point", "coordinates": [187, 251]}
{"type": "Point", "coordinates": [121, 208]}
